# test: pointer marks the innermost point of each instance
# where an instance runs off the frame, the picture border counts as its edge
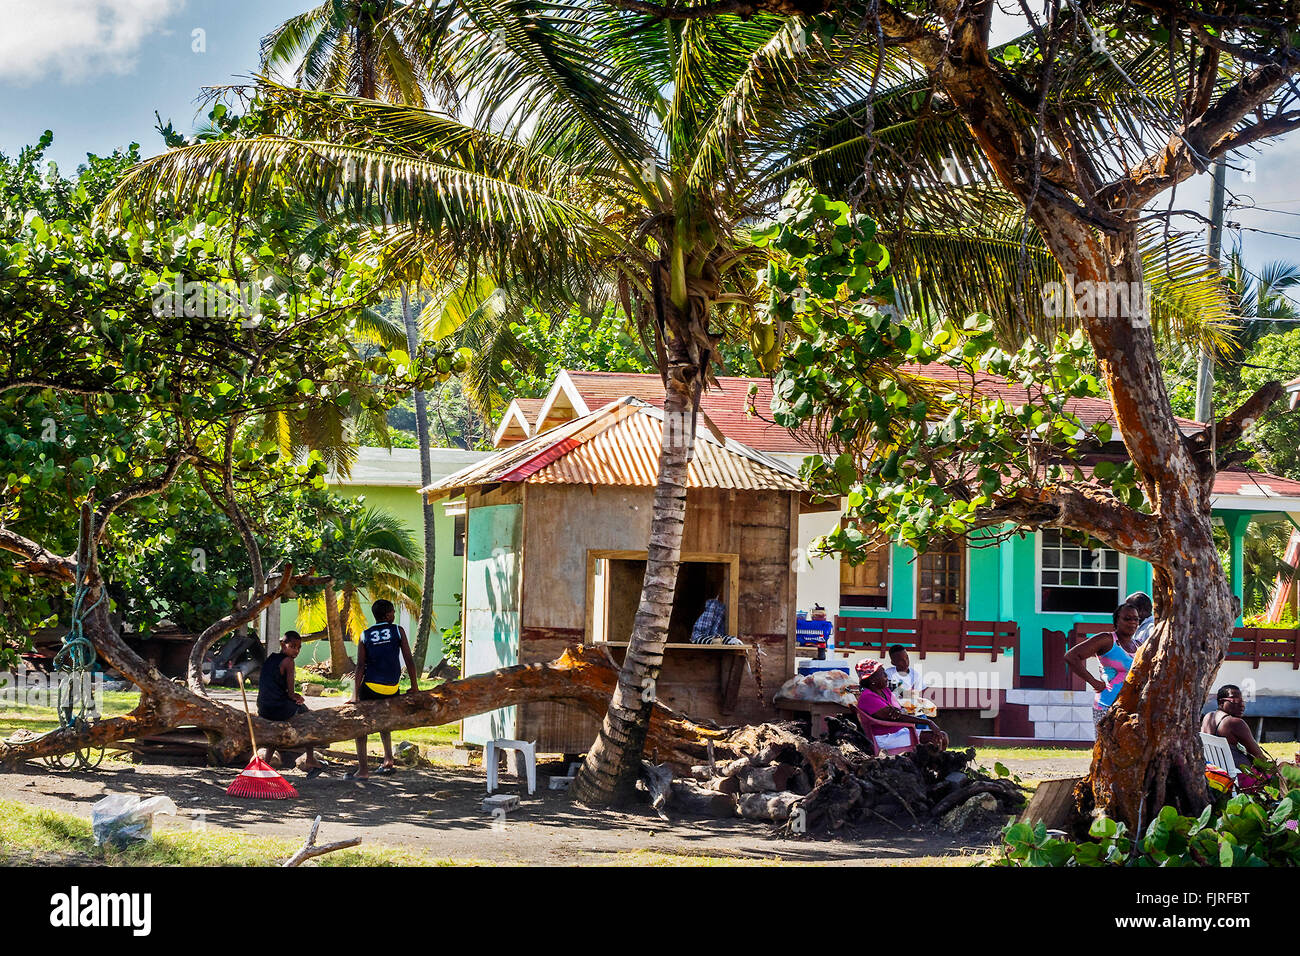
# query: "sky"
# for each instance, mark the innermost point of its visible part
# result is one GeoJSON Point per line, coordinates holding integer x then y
{"type": "Point", "coordinates": [94, 72]}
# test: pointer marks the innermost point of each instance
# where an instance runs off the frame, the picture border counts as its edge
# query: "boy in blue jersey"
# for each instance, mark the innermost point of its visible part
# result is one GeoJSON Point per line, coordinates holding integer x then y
{"type": "Point", "coordinates": [380, 654]}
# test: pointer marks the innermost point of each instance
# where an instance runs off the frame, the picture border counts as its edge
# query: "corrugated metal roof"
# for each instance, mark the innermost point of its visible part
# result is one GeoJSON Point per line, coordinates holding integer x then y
{"type": "Point", "coordinates": [618, 444]}
{"type": "Point", "coordinates": [628, 454]}
{"type": "Point", "coordinates": [726, 404]}
{"type": "Point", "coordinates": [400, 467]}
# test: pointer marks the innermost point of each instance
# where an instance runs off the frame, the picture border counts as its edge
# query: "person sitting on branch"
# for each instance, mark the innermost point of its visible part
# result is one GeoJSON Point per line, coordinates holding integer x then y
{"type": "Point", "coordinates": [277, 698]}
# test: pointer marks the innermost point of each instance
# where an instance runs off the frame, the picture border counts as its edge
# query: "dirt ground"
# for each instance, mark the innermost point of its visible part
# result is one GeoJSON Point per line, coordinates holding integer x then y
{"type": "Point", "coordinates": [436, 811]}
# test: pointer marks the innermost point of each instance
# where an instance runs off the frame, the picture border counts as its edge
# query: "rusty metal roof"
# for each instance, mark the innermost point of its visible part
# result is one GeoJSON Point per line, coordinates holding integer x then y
{"type": "Point", "coordinates": [618, 444]}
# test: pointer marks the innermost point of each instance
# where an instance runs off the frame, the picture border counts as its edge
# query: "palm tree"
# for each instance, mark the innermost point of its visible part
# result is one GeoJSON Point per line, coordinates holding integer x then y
{"type": "Point", "coordinates": [1262, 301]}
{"type": "Point", "coordinates": [370, 48]}
{"type": "Point", "coordinates": [384, 557]}
{"type": "Point", "coordinates": [607, 151]}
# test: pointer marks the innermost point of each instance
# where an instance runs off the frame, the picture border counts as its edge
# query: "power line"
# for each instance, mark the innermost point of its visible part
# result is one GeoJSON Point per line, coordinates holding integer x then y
{"type": "Point", "coordinates": [1267, 232]}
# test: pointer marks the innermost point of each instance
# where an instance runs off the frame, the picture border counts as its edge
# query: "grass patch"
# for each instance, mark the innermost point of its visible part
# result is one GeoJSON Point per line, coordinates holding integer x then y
{"type": "Point", "coordinates": [31, 835]}
{"type": "Point", "coordinates": [41, 720]}
{"type": "Point", "coordinates": [990, 755]}
{"type": "Point", "coordinates": [1281, 750]}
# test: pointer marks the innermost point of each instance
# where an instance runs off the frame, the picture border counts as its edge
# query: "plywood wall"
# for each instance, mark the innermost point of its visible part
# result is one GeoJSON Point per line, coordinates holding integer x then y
{"type": "Point", "coordinates": [563, 522]}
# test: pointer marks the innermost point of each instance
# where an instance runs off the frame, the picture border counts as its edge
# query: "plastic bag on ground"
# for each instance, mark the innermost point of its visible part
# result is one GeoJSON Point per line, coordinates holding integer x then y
{"type": "Point", "coordinates": [120, 819]}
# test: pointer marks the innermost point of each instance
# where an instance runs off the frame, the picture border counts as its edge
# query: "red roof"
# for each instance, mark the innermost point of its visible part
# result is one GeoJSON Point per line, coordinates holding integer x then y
{"type": "Point", "coordinates": [1254, 484]}
{"type": "Point", "coordinates": [725, 405]}
{"type": "Point", "coordinates": [1089, 411]}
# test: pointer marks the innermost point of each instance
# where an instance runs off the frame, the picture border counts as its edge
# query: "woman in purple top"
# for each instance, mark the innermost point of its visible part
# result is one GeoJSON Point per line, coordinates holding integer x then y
{"type": "Point", "coordinates": [878, 701]}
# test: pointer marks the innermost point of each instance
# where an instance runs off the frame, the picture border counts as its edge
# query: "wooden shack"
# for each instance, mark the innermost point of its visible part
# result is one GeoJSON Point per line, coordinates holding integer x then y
{"type": "Point", "coordinates": [555, 548]}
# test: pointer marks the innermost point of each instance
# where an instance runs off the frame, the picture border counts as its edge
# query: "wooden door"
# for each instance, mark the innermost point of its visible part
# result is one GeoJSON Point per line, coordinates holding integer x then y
{"type": "Point", "coordinates": [941, 582]}
{"type": "Point", "coordinates": [866, 584]}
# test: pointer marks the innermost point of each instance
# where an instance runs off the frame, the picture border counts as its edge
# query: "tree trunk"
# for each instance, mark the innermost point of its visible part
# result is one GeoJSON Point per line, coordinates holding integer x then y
{"type": "Point", "coordinates": [420, 646]}
{"type": "Point", "coordinates": [345, 614]}
{"type": "Point", "coordinates": [1148, 752]}
{"type": "Point", "coordinates": [609, 774]}
{"type": "Point", "coordinates": [334, 628]}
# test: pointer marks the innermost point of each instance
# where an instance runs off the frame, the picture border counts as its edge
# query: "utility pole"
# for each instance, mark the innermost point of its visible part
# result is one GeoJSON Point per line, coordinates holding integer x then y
{"type": "Point", "coordinates": [1205, 368]}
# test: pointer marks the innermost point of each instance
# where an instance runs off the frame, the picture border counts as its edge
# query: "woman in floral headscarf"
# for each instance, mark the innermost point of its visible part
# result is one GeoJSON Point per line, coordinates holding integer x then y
{"type": "Point", "coordinates": [878, 701]}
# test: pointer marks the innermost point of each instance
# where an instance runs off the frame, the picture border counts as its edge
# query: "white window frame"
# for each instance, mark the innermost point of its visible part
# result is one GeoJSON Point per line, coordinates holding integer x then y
{"type": "Point", "coordinates": [1121, 591]}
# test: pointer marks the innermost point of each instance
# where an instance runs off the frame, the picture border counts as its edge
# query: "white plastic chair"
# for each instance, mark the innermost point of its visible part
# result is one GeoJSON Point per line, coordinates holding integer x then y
{"type": "Point", "coordinates": [526, 751]}
{"type": "Point", "coordinates": [1219, 752]}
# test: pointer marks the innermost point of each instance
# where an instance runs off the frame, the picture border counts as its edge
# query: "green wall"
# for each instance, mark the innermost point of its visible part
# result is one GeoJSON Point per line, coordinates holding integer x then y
{"type": "Point", "coordinates": [404, 502]}
{"type": "Point", "coordinates": [492, 598]}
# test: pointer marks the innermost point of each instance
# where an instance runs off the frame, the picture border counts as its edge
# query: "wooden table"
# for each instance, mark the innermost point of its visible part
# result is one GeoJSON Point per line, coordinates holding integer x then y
{"type": "Point", "coordinates": [817, 711]}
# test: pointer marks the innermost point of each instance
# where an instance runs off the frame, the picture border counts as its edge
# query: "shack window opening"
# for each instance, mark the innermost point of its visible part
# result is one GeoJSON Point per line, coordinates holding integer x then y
{"type": "Point", "coordinates": [458, 537]}
{"type": "Point", "coordinates": [616, 592]}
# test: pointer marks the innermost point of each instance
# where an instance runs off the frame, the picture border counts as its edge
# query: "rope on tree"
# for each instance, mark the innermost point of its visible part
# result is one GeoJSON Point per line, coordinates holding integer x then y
{"type": "Point", "coordinates": [75, 660]}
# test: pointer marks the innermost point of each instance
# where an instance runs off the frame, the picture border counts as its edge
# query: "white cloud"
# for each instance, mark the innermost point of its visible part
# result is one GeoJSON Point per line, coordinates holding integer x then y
{"type": "Point", "coordinates": [74, 40]}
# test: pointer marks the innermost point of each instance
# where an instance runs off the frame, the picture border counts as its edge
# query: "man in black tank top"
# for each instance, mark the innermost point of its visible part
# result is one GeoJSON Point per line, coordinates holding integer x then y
{"type": "Point", "coordinates": [380, 653]}
{"type": "Point", "coordinates": [277, 699]}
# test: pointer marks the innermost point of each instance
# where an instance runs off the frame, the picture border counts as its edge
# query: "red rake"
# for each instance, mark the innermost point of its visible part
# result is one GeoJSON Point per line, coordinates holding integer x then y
{"type": "Point", "coordinates": [258, 781]}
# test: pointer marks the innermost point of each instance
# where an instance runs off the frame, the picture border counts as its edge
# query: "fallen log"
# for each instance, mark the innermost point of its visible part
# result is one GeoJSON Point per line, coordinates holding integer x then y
{"type": "Point", "coordinates": [582, 675]}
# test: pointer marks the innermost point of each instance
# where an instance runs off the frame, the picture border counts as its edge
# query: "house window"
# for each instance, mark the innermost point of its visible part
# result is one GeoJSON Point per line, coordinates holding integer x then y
{"type": "Point", "coordinates": [1077, 575]}
{"type": "Point", "coordinates": [458, 537]}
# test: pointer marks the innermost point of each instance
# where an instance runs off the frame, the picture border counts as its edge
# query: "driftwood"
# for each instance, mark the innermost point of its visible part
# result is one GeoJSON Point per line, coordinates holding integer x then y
{"type": "Point", "coordinates": [766, 779]}
{"type": "Point", "coordinates": [688, 798]}
{"type": "Point", "coordinates": [1053, 803]}
{"type": "Point", "coordinates": [808, 786]}
{"type": "Point", "coordinates": [310, 849]}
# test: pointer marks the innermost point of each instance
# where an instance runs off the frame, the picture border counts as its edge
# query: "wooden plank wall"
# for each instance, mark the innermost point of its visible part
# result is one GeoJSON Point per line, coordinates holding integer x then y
{"type": "Point", "coordinates": [562, 522]}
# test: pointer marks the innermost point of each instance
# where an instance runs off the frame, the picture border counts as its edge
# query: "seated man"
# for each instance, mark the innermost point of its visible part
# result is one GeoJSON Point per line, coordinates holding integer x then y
{"type": "Point", "coordinates": [277, 699]}
{"type": "Point", "coordinates": [878, 701]}
{"type": "Point", "coordinates": [903, 677]}
{"type": "Point", "coordinates": [1227, 722]}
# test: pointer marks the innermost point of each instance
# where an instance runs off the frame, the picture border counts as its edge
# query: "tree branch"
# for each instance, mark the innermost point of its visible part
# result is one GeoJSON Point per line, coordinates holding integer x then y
{"type": "Point", "coordinates": [231, 621]}
{"type": "Point", "coordinates": [38, 559]}
{"type": "Point", "coordinates": [1086, 508]}
{"type": "Point", "coordinates": [140, 489]}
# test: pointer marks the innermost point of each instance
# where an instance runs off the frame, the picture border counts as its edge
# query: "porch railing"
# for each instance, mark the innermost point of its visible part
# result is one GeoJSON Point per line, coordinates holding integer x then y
{"type": "Point", "coordinates": [926, 636]}
{"type": "Point", "coordinates": [1262, 645]}
{"type": "Point", "coordinates": [1259, 645]}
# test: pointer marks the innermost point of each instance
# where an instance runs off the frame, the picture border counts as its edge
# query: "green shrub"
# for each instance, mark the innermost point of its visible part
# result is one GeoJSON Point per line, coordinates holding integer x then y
{"type": "Point", "coordinates": [1261, 829]}
{"type": "Point", "coordinates": [1261, 620]}
{"type": "Point", "coordinates": [451, 645]}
